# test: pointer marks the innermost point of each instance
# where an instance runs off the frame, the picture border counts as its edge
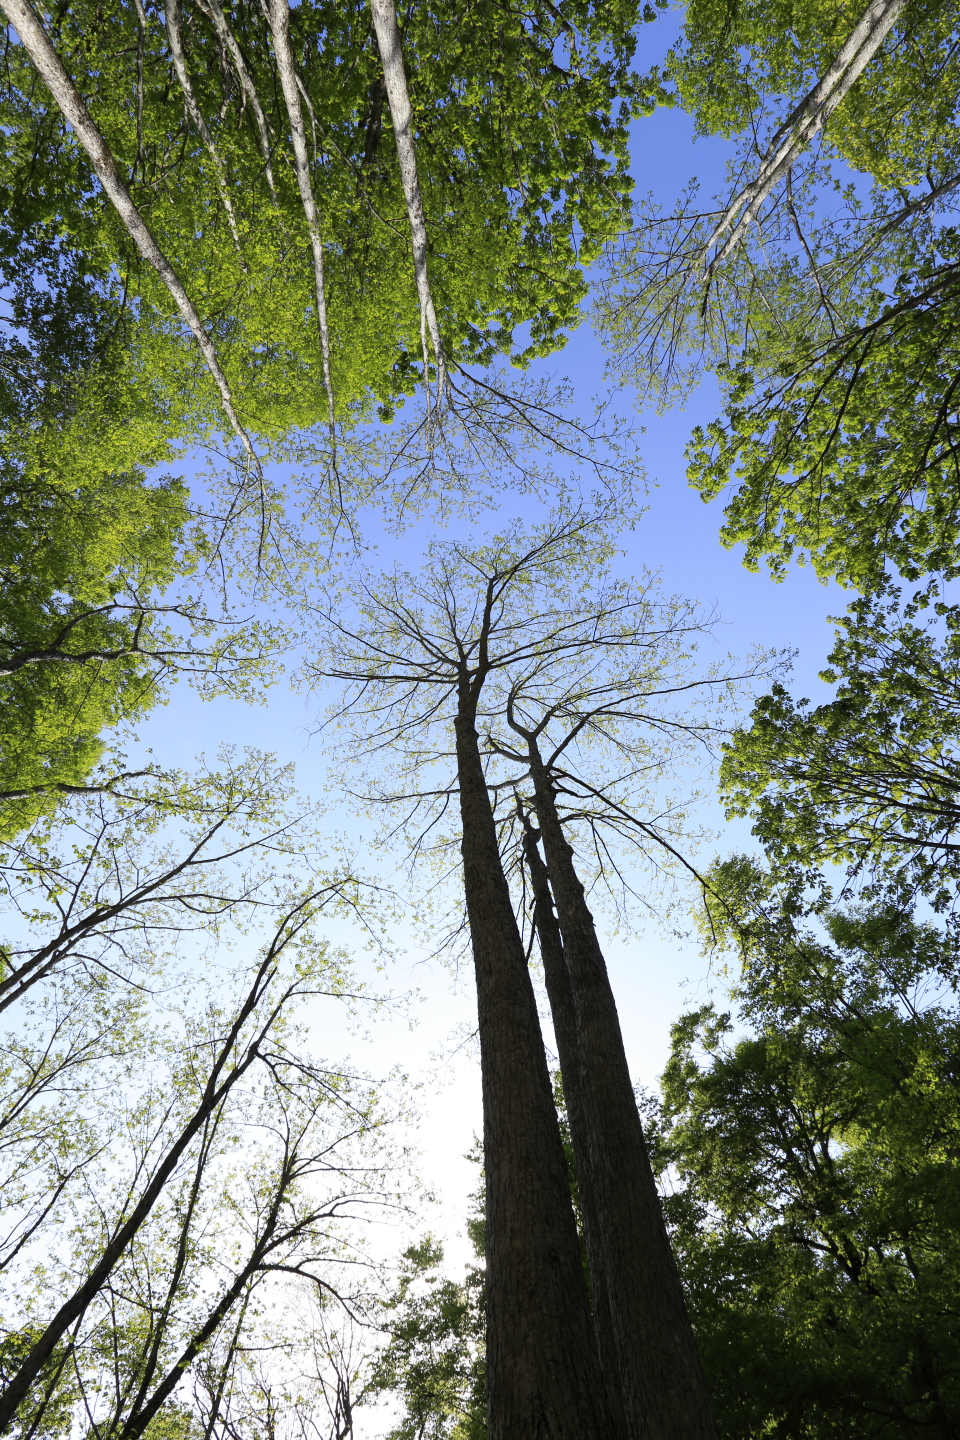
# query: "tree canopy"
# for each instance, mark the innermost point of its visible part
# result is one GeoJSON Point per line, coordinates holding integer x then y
{"type": "Point", "coordinates": [258, 154]}
{"type": "Point", "coordinates": [261, 230]}
{"type": "Point", "coordinates": [830, 322]}
{"type": "Point", "coordinates": [520, 118]}
{"type": "Point", "coordinates": [811, 1133]}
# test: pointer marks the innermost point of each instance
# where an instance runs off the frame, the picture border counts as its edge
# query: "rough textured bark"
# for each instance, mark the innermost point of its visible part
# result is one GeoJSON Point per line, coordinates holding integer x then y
{"type": "Point", "coordinates": [662, 1388]}
{"type": "Point", "coordinates": [560, 995]}
{"type": "Point", "coordinates": [47, 63]}
{"type": "Point", "coordinates": [543, 1376]}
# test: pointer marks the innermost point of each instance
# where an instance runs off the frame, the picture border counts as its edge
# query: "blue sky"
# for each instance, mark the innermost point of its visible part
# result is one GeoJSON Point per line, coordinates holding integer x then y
{"type": "Point", "coordinates": [654, 976]}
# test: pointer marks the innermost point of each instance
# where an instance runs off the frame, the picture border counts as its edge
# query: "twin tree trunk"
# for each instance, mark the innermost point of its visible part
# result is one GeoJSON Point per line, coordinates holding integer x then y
{"type": "Point", "coordinates": [543, 1375]}
{"type": "Point", "coordinates": [563, 1010]}
{"type": "Point", "coordinates": [649, 1354]}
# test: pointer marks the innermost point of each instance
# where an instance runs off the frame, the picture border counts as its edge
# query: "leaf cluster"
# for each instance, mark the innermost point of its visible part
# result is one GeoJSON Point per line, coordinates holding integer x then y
{"type": "Point", "coordinates": [830, 325]}
{"type": "Point", "coordinates": [867, 779]}
{"type": "Point", "coordinates": [811, 1136]}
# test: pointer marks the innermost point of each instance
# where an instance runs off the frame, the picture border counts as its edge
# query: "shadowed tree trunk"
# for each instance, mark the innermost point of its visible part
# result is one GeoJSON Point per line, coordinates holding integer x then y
{"type": "Point", "coordinates": [660, 1380]}
{"type": "Point", "coordinates": [562, 1009]}
{"type": "Point", "coordinates": [542, 1367]}
{"type": "Point", "coordinates": [528, 627]}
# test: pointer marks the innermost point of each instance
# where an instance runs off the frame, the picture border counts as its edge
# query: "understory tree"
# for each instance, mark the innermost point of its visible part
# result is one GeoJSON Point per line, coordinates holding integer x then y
{"type": "Point", "coordinates": [809, 1138]}
{"type": "Point", "coordinates": [433, 1362]}
{"type": "Point", "coordinates": [172, 1147]}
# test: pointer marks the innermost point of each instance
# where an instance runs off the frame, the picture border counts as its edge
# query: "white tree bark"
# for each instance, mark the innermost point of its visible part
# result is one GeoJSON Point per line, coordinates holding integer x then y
{"type": "Point", "coordinates": [213, 10]}
{"type": "Point", "coordinates": [278, 18]}
{"type": "Point", "coordinates": [398, 97]}
{"type": "Point", "coordinates": [172, 19]}
{"type": "Point", "coordinates": [47, 62]}
{"type": "Point", "coordinates": [804, 121]}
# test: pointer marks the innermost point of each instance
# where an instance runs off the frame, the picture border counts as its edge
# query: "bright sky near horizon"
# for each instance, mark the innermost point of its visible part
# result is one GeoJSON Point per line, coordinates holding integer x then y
{"type": "Point", "coordinates": [654, 977]}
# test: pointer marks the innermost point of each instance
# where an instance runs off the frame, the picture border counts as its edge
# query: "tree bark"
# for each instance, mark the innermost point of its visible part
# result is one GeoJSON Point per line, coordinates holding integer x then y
{"type": "Point", "coordinates": [278, 18]}
{"type": "Point", "coordinates": [47, 63]}
{"type": "Point", "coordinates": [805, 120]}
{"type": "Point", "coordinates": [661, 1383]}
{"type": "Point", "coordinates": [401, 113]}
{"type": "Point", "coordinates": [543, 1376]}
{"type": "Point", "coordinates": [560, 995]}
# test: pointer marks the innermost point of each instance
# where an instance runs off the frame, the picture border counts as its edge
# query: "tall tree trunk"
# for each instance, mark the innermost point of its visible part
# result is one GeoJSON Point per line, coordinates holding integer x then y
{"type": "Point", "coordinates": [662, 1387]}
{"type": "Point", "coordinates": [560, 995]}
{"type": "Point", "coordinates": [278, 19]}
{"type": "Point", "coordinates": [543, 1376]}
{"type": "Point", "coordinates": [401, 113]}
